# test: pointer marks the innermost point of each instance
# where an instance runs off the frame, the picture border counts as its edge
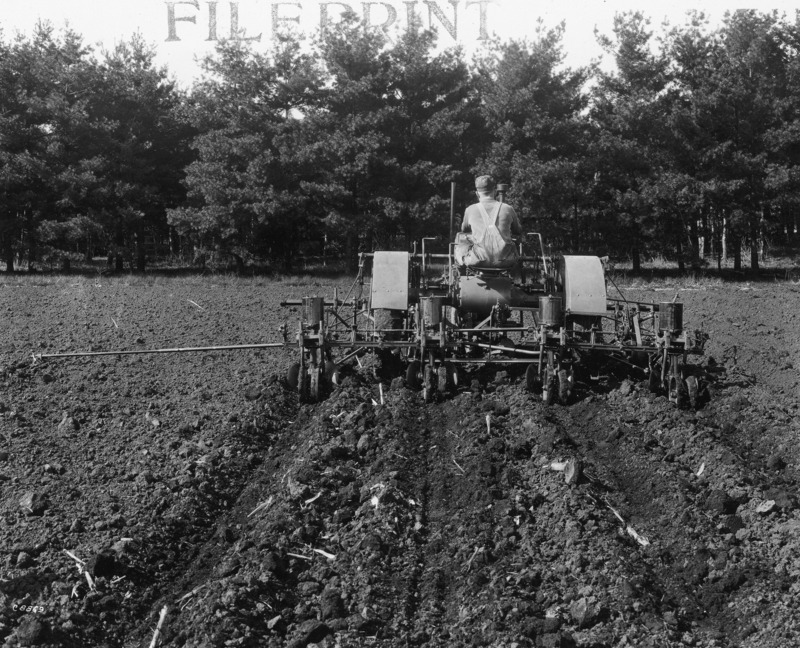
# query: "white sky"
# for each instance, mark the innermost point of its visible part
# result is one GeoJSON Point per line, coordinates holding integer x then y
{"type": "Point", "coordinates": [105, 22]}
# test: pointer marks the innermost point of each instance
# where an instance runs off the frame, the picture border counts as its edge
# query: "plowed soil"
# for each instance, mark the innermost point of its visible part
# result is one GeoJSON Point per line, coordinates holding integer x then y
{"type": "Point", "coordinates": [194, 485]}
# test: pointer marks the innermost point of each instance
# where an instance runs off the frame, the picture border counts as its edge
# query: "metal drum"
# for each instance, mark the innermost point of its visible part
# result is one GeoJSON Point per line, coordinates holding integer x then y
{"type": "Point", "coordinates": [313, 309]}
{"type": "Point", "coordinates": [431, 310]}
{"type": "Point", "coordinates": [551, 312]}
{"type": "Point", "coordinates": [670, 316]}
{"type": "Point", "coordinates": [480, 294]}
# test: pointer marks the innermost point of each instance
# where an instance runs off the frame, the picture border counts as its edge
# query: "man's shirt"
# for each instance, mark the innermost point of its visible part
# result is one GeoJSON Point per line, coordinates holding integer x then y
{"type": "Point", "coordinates": [507, 221]}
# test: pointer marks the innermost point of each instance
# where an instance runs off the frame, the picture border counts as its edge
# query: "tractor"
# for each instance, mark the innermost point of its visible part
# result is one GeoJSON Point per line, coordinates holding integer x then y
{"type": "Point", "coordinates": [429, 319]}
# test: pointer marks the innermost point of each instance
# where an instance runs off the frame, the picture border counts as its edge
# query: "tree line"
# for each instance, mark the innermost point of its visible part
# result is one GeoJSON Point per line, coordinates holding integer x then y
{"type": "Point", "coordinates": [688, 148]}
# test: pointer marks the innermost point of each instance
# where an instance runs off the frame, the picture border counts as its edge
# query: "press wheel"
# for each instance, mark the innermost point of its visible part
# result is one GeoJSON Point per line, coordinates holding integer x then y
{"type": "Point", "coordinates": [565, 380]}
{"type": "Point", "coordinates": [302, 383]}
{"type": "Point", "coordinates": [332, 374]}
{"type": "Point", "coordinates": [315, 388]}
{"type": "Point", "coordinates": [654, 380]}
{"type": "Point", "coordinates": [455, 375]}
{"type": "Point", "coordinates": [292, 376]}
{"type": "Point", "coordinates": [550, 391]}
{"type": "Point", "coordinates": [692, 390]}
{"type": "Point", "coordinates": [427, 383]}
{"type": "Point", "coordinates": [442, 381]}
{"type": "Point", "coordinates": [533, 383]}
{"type": "Point", "coordinates": [412, 375]}
{"type": "Point", "coordinates": [678, 392]}
{"type": "Point", "coordinates": [681, 393]}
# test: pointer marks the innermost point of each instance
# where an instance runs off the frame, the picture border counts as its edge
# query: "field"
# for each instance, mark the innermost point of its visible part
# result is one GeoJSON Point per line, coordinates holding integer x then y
{"type": "Point", "coordinates": [196, 484]}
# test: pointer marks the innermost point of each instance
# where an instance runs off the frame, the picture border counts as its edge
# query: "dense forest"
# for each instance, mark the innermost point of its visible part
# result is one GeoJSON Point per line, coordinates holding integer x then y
{"type": "Point", "coordinates": [686, 149]}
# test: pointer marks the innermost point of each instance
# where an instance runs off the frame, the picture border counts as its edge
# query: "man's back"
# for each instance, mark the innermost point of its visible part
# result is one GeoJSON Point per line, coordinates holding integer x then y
{"type": "Point", "coordinates": [507, 220]}
{"type": "Point", "coordinates": [490, 225]}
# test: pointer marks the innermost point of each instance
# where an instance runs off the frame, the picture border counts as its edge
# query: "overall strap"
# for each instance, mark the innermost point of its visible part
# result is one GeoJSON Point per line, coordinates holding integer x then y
{"type": "Point", "coordinates": [489, 221]}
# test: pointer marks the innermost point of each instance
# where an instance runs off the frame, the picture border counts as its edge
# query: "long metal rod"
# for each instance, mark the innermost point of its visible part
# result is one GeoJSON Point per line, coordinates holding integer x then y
{"type": "Point", "coordinates": [490, 361]}
{"type": "Point", "coordinates": [335, 303]}
{"type": "Point", "coordinates": [503, 349]}
{"type": "Point", "coordinates": [509, 329]}
{"type": "Point", "coordinates": [229, 347]}
{"type": "Point", "coordinates": [368, 344]}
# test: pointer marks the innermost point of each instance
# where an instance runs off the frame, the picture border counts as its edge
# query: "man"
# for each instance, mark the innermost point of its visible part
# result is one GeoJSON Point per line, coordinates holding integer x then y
{"type": "Point", "coordinates": [490, 225]}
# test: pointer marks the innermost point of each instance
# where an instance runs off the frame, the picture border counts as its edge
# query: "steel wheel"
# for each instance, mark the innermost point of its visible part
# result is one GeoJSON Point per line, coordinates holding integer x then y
{"type": "Point", "coordinates": [332, 374]}
{"type": "Point", "coordinates": [427, 383]}
{"type": "Point", "coordinates": [292, 376]}
{"type": "Point", "coordinates": [565, 380]}
{"type": "Point", "coordinates": [412, 375]}
{"type": "Point", "coordinates": [314, 384]}
{"type": "Point", "coordinates": [681, 393]}
{"type": "Point", "coordinates": [442, 382]}
{"type": "Point", "coordinates": [693, 390]}
{"type": "Point", "coordinates": [672, 390]}
{"type": "Point", "coordinates": [654, 380]}
{"type": "Point", "coordinates": [455, 375]}
{"type": "Point", "coordinates": [302, 383]}
{"type": "Point", "coordinates": [676, 385]}
{"type": "Point", "coordinates": [533, 383]}
{"type": "Point", "coordinates": [550, 390]}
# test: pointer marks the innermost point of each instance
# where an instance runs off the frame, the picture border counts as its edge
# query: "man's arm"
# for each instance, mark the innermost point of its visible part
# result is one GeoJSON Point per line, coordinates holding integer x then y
{"type": "Point", "coordinates": [465, 226]}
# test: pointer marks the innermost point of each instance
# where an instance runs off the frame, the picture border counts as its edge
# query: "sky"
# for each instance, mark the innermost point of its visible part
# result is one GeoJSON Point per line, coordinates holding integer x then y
{"type": "Point", "coordinates": [183, 30]}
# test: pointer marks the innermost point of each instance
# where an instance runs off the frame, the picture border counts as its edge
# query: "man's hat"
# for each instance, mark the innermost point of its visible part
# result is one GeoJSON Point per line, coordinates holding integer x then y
{"type": "Point", "coordinates": [484, 183]}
